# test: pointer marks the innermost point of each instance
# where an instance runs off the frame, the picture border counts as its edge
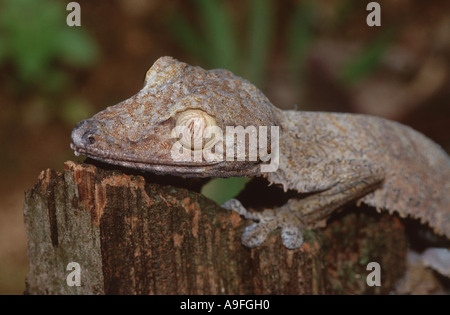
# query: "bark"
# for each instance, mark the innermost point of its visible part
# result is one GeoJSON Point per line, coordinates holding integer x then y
{"type": "Point", "coordinates": [133, 237]}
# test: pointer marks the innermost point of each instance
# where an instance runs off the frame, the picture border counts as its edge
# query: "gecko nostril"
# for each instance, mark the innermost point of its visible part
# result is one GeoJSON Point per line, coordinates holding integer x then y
{"type": "Point", "coordinates": [90, 138]}
{"type": "Point", "coordinates": [85, 133]}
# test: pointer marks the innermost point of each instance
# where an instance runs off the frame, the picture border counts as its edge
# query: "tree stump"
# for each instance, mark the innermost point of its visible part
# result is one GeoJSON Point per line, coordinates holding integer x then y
{"type": "Point", "coordinates": [129, 236]}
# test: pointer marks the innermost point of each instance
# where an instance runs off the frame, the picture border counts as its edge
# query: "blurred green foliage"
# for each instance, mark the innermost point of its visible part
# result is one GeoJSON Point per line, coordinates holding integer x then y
{"type": "Point", "coordinates": [367, 60]}
{"type": "Point", "coordinates": [36, 43]}
{"type": "Point", "coordinates": [218, 45]}
{"type": "Point", "coordinates": [300, 37]}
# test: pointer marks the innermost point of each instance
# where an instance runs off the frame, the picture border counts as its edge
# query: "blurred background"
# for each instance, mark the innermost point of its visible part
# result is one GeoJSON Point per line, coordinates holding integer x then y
{"type": "Point", "coordinates": [305, 55]}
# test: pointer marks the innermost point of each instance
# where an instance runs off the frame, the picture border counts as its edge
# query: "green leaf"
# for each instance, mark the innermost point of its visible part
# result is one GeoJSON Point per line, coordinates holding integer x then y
{"type": "Point", "coordinates": [36, 37]}
{"type": "Point", "coordinates": [218, 28]}
{"type": "Point", "coordinates": [188, 38]}
{"type": "Point", "coordinates": [259, 39]}
{"type": "Point", "coordinates": [368, 60]}
{"type": "Point", "coordinates": [300, 35]}
{"type": "Point", "coordinates": [76, 47]}
{"type": "Point", "coordinates": [223, 189]}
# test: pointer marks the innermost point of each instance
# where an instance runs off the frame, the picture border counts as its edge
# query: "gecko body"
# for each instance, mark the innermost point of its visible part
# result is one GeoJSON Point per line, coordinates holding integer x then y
{"type": "Point", "coordinates": [338, 158]}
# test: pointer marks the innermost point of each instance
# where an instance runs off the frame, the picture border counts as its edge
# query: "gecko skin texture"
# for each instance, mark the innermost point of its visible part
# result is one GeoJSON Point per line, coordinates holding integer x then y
{"type": "Point", "coordinates": [338, 158]}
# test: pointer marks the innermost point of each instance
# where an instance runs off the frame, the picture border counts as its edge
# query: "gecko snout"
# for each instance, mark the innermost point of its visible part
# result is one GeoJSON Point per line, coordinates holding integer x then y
{"type": "Point", "coordinates": [84, 133]}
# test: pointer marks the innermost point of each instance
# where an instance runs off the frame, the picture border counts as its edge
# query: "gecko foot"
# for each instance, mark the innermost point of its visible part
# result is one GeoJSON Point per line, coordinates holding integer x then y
{"type": "Point", "coordinates": [268, 220]}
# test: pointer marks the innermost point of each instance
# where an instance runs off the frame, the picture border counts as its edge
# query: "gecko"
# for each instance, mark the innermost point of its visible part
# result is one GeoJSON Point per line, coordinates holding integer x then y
{"type": "Point", "coordinates": [336, 158]}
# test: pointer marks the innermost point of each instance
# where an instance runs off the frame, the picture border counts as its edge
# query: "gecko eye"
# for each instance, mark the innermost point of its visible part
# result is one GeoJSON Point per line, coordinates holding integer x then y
{"type": "Point", "coordinates": [193, 123]}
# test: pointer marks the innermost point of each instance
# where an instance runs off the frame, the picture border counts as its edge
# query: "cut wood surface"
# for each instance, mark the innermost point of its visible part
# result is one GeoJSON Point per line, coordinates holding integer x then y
{"type": "Point", "coordinates": [130, 236]}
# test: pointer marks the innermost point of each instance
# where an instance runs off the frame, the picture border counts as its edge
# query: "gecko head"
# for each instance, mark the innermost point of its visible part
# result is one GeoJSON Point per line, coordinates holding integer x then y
{"type": "Point", "coordinates": [176, 123]}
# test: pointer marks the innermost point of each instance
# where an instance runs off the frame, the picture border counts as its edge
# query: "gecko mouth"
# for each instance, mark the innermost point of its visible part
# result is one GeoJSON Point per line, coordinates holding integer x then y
{"type": "Point", "coordinates": [157, 167]}
{"type": "Point", "coordinates": [84, 143]}
{"type": "Point", "coordinates": [163, 167]}
{"type": "Point", "coordinates": [95, 154]}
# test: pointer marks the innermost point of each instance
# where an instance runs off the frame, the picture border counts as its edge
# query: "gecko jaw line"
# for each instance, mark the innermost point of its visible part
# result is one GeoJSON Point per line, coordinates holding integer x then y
{"type": "Point", "coordinates": [94, 155]}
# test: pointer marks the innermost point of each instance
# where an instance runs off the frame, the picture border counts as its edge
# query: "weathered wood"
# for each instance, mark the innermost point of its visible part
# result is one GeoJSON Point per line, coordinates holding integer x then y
{"type": "Point", "coordinates": [133, 237]}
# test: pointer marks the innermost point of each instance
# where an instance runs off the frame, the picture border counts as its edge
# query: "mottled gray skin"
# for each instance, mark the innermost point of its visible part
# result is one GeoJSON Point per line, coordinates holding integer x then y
{"type": "Point", "coordinates": [341, 157]}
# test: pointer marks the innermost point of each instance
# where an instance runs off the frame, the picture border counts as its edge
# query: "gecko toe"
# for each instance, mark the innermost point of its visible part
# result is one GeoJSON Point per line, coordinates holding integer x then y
{"type": "Point", "coordinates": [254, 235]}
{"type": "Point", "coordinates": [235, 205]}
{"type": "Point", "coordinates": [292, 237]}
